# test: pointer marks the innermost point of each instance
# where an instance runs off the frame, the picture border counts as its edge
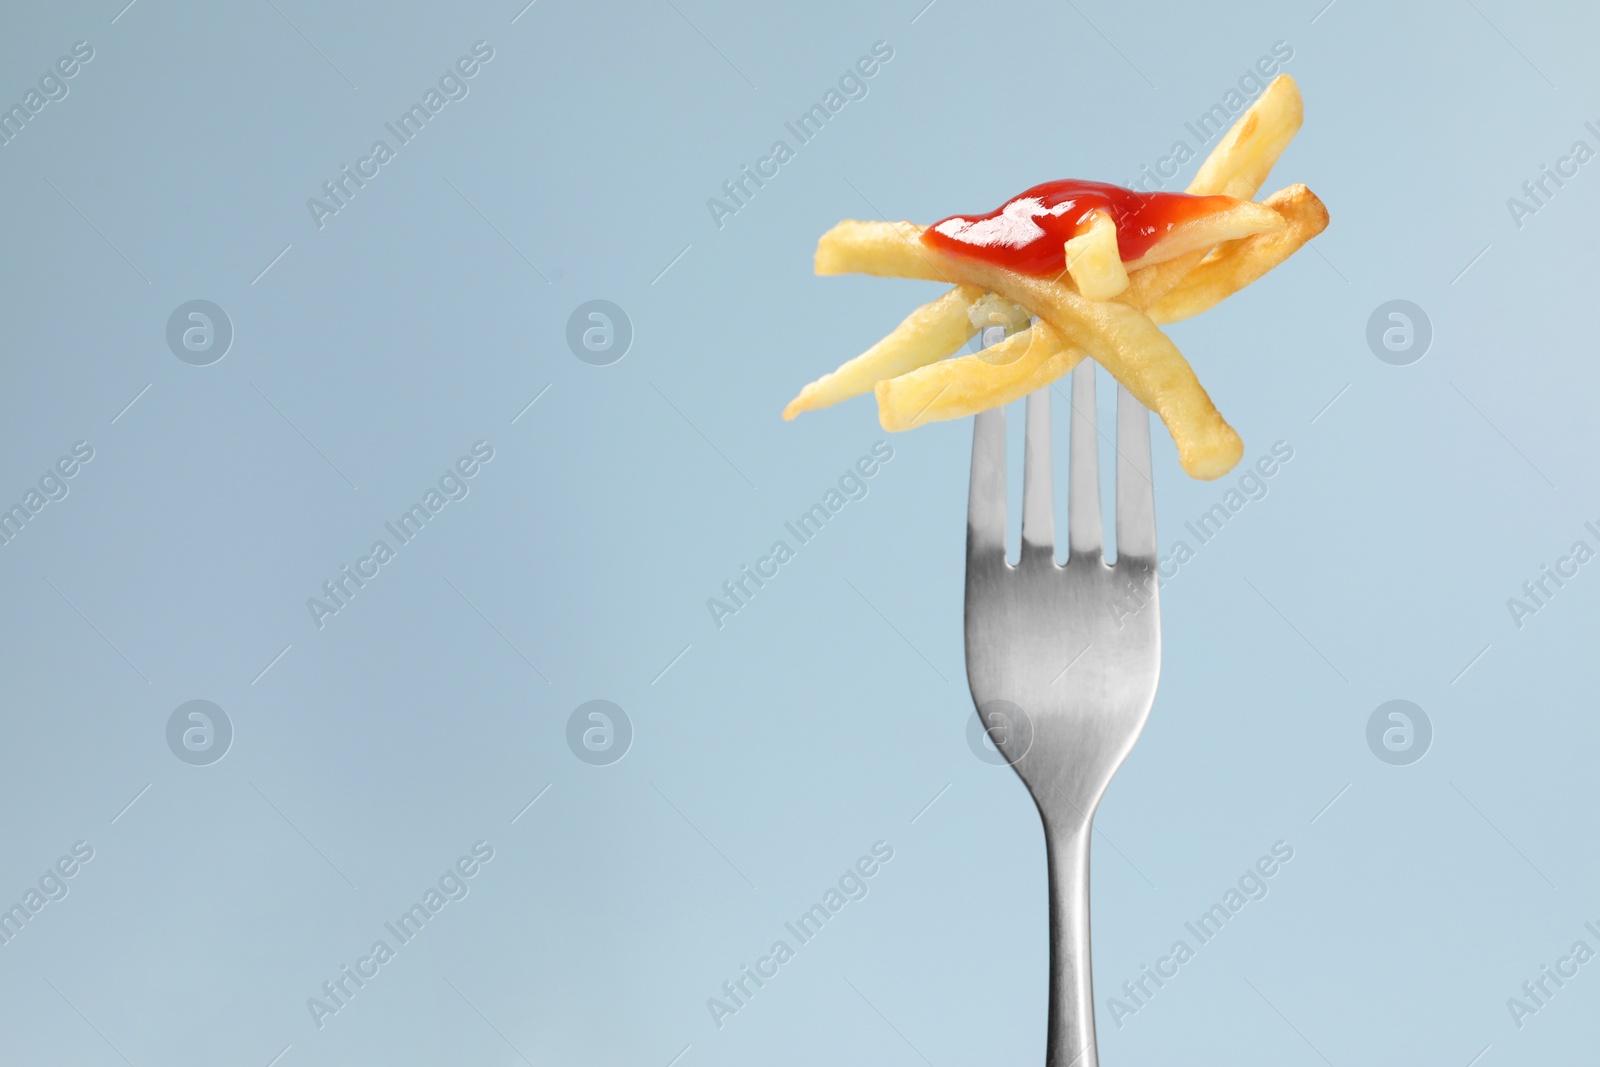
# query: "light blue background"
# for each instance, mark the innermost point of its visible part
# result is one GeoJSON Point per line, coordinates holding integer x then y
{"type": "Point", "coordinates": [829, 713]}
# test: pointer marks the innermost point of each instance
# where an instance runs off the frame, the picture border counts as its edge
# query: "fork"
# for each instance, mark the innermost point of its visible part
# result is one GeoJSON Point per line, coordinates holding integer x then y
{"type": "Point", "coordinates": [1062, 683]}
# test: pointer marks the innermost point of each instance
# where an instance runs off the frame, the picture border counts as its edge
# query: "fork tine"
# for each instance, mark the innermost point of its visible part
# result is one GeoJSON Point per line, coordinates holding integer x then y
{"type": "Point", "coordinates": [1038, 501]}
{"type": "Point", "coordinates": [986, 497]}
{"type": "Point", "coordinates": [1136, 503]}
{"type": "Point", "coordinates": [1084, 533]}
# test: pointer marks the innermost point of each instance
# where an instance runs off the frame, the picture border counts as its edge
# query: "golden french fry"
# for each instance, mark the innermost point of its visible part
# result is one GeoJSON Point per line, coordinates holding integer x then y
{"type": "Point", "coordinates": [883, 249]}
{"type": "Point", "coordinates": [1236, 167]}
{"type": "Point", "coordinates": [1093, 259]}
{"type": "Point", "coordinates": [1238, 263]}
{"type": "Point", "coordinates": [895, 249]}
{"type": "Point", "coordinates": [966, 385]}
{"type": "Point", "coordinates": [1240, 163]}
{"type": "Point", "coordinates": [1204, 232]}
{"type": "Point", "coordinates": [930, 333]}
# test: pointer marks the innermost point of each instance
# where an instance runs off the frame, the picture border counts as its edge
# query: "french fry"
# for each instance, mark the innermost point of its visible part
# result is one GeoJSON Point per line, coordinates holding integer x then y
{"type": "Point", "coordinates": [966, 385]}
{"type": "Point", "coordinates": [1237, 166]}
{"type": "Point", "coordinates": [1204, 232]}
{"type": "Point", "coordinates": [930, 333]}
{"type": "Point", "coordinates": [1238, 263]}
{"type": "Point", "coordinates": [895, 249]}
{"type": "Point", "coordinates": [1093, 260]}
{"type": "Point", "coordinates": [883, 249]}
{"type": "Point", "coordinates": [1240, 163]}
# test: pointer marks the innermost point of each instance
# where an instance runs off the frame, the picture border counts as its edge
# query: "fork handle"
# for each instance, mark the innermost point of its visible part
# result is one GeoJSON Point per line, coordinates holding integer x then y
{"type": "Point", "coordinates": [1069, 1040]}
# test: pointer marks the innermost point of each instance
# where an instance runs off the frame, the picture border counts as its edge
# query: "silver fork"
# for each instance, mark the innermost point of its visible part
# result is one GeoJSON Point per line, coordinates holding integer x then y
{"type": "Point", "coordinates": [1063, 683]}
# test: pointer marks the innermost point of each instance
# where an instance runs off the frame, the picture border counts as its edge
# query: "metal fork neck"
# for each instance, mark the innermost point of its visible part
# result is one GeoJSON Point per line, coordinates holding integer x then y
{"type": "Point", "coordinates": [1069, 1040]}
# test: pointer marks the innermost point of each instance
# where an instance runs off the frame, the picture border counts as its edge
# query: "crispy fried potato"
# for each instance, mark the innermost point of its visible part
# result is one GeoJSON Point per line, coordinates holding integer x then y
{"type": "Point", "coordinates": [1094, 261]}
{"type": "Point", "coordinates": [1240, 163]}
{"type": "Point", "coordinates": [1237, 166]}
{"type": "Point", "coordinates": [930, 333]}
{"type": "Point", "coordinates": [1204, 232]}
{"type": "Point", "coordinates": [1234, 265]}
{"type": "Point", "coordinates": [895, 249]}
{"type": "Point", "coordinates": [883, 249]}
{"type": "Point", "coordinates": [966, 385]}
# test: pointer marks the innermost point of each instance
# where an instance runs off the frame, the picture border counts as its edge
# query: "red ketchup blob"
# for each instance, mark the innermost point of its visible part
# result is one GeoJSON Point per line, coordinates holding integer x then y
{"type": "Point", "coordinates": [1028, 232]}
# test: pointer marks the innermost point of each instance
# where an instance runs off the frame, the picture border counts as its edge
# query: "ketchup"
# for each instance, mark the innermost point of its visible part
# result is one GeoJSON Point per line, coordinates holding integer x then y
{"type": "Point", "coordinates": [1028, 233]}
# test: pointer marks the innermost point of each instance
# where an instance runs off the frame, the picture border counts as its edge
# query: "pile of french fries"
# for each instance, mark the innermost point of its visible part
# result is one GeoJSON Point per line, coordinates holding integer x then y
{"type": "Point", "coordinates": [1098, 307]}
